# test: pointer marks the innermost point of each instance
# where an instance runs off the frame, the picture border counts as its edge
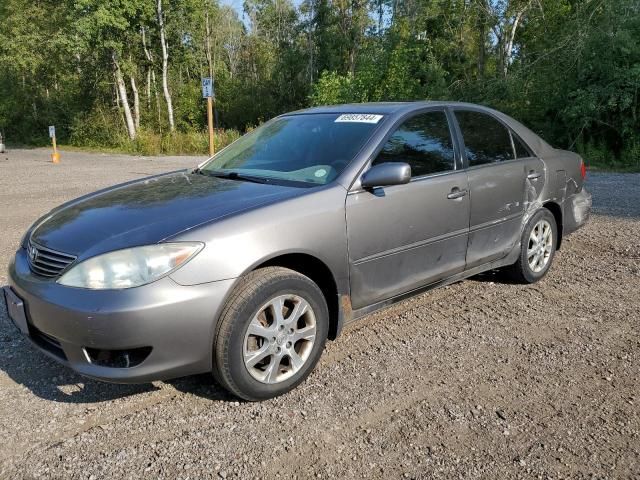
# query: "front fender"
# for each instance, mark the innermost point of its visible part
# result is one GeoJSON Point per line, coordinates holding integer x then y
{"type": "Point", "coordinates": [312, 224]}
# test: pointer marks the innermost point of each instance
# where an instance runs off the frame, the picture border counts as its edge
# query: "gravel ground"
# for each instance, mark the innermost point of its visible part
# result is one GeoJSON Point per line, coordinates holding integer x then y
{"type": "Point", "coordinates": [477, 380]}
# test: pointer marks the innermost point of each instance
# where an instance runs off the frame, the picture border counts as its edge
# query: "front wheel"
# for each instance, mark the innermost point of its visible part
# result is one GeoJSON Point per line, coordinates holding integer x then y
{"type": "Point", "coordinates": [271, 334]}
{"type": "Point", "coordinates": [537, 248]}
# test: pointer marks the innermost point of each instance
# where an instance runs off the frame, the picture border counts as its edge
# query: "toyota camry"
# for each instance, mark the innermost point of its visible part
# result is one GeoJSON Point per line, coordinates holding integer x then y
{"type": "Point", "coordinates": [245, 265]}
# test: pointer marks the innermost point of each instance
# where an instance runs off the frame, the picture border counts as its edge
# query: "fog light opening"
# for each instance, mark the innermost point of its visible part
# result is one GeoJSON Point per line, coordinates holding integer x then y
{"type": "Point", "coordinates": [118, 358]}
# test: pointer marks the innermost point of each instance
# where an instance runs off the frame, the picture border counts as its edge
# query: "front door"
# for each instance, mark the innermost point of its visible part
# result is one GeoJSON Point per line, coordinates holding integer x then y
{"type": "Point", "coordinates": [406, 236]}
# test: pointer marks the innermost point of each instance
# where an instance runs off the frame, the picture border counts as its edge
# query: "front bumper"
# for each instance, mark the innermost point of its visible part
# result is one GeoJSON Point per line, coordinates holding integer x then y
{"type": "Point", "coordinates": [177, 322]}
{"type": "Point", "coordinates": [577, 209]}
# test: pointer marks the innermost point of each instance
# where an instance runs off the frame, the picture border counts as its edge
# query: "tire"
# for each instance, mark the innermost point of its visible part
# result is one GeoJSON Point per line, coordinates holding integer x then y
{"type": "Point", "coordinates": [281, 350]}
{"type": "Point", "coordinates": [526, 269]}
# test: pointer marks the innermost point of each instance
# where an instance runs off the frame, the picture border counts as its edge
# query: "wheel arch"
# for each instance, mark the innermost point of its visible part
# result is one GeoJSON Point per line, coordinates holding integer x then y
{"type": "Point", "coordinates": [318, 271]}
{"type": "Point", "coordinates": [556, 210]}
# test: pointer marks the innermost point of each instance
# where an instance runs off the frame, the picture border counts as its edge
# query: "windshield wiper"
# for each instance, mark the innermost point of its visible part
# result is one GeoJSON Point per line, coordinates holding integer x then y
{"type": "Point", "coordinates": [233, 176]}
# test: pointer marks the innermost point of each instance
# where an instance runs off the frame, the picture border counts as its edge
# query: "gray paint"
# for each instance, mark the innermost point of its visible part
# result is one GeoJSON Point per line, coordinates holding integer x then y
{"type": "Point", "coordinates": [380, 244]}
{"type": "Point", "coordinates": [397, 239]}
{"type": "Point", "coordinates": [386, 175]}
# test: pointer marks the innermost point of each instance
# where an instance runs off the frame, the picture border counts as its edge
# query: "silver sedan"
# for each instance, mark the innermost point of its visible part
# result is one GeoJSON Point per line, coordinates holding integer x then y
{"type": "Point", "coordinates": [247, 264]}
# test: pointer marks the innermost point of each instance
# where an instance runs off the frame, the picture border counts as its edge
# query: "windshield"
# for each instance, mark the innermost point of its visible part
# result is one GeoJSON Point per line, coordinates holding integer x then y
{"type": "Point", "coordinates": [312, 149]}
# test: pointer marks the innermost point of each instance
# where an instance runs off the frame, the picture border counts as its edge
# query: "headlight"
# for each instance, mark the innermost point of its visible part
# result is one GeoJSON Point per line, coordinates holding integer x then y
{"type": "Point", "coordinates": [131, 267]}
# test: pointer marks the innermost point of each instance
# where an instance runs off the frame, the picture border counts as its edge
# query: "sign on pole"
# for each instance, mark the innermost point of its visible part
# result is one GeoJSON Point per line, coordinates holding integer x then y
{"type": "Point", "coordinates": [207, 87]}
{"type": "Point", "coordinates": [52, 131]}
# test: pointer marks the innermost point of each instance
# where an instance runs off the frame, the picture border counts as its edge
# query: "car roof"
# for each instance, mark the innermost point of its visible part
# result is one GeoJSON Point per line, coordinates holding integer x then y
{"type": "Point", "coordinates": [395, 109]}
{"type": "Point", "coordinates": [383, 107]}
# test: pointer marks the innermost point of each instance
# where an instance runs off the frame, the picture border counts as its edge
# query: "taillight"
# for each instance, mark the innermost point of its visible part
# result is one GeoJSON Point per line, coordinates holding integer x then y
{"type": "Point", "coordinates": [583, 169]}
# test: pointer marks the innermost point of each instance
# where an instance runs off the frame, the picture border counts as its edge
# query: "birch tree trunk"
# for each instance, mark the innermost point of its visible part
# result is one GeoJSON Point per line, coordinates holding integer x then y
{"type": "Point", "coordinates": [147, 91]}
{"type": "Point", "coordinates": [149, 58]}
{"type": "Point", "coordinates": [509, 39]}
{"type": "Point", "coordinates": [155, 94]}
{"type": "Point", "coordinates": [508, 49]}
{"type": "Point", "coordinates": [136, 103]}
{"type": "Point", "coordinates": [124, 100]}
{"type": "Point", "coordinates": [119, 105]}
{"type": "Point", "coordinates": [482, 39]}
{"type": "Point", "coordinates": [165, 66]}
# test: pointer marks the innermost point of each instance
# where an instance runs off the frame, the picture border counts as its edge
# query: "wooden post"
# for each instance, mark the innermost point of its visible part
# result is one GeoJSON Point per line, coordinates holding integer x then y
{"type": "Point", "coordinates": [55, 156]}
{"type": "Point", "coordinates": [212, 147]}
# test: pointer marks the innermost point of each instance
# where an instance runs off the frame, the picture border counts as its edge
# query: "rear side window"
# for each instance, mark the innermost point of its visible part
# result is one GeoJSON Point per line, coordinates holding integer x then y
{"type": "Point", "coordinates": [424, 142]}
{"type": "Point", "coordinates": [486, 140]}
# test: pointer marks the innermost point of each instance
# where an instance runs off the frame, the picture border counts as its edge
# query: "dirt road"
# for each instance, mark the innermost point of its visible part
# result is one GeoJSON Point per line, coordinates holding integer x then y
{"type": "Point", "coordinates": [478, 380]}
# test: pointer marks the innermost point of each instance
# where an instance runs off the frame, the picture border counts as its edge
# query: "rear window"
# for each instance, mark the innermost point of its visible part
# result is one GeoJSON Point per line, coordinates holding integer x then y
{"type": "Point", "coordinates": [486, 140]}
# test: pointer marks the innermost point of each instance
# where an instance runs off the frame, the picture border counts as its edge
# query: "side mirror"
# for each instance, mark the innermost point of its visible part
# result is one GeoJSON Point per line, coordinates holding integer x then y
{"type": "Point", "coordinates": [386, 174]}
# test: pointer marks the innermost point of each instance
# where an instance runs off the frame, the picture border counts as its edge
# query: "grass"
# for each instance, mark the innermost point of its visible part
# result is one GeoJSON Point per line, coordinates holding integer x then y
{"type": "Point", "coordinates": [96, 149]}
{"type": "Point", "coordinates": [146, 143]}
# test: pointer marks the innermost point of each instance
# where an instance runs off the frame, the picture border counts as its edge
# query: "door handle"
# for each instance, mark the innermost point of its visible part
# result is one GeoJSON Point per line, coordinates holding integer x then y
{"type": "Point", "coordinates": [456, 193]}
{"type": "Point", "coordinates": [533, 175]}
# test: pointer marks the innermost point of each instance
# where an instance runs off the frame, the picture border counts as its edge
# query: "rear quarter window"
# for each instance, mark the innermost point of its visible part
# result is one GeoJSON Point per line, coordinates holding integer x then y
{"type": "Point", "coordinates": [522, 151]}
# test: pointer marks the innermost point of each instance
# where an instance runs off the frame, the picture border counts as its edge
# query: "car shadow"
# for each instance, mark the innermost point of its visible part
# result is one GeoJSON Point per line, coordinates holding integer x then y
{"type": "Point", "coordinates": [494, 276]}
{"type": "Point", "coordinates": [44, 377]}
{"type": "Point", "coordinates": [203, 386]}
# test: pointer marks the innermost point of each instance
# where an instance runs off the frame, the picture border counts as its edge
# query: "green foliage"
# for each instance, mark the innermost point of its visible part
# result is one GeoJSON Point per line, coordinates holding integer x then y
{"type": "Point", "coordinates": [193, 142]}
{"type": "Point", "coordinates": [103, 129]}
{"type": "Point", "coordinates": [400, 69]}
{"type": "Point", "coordinates": [572, 72]}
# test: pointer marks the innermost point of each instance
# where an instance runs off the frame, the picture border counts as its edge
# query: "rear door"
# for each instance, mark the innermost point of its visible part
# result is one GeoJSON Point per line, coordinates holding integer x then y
{"type": "Point", "coordinates": [504, 178]}
{"type": "Point", "coordinates": [405, 236]}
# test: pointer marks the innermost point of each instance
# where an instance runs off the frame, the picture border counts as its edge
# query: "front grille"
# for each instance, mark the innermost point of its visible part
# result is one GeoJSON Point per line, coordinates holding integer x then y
{"type": "Point", "coordinates": [46, 262]}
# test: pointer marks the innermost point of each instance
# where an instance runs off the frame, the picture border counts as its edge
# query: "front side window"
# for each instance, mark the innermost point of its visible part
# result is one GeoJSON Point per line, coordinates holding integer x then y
{"type": "Point", "coordinates": [424, 142]}
{"type": "Point", "coordinates": [310, 149]}
{"type": "Point", "coordinates": [486, 140]}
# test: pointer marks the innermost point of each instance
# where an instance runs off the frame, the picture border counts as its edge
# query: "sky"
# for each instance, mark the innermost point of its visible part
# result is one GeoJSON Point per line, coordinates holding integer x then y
{"type": "Point", "coordinates": [237, 5]}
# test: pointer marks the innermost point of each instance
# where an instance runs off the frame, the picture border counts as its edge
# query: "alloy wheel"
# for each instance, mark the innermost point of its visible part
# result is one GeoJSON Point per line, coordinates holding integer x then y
{"type": "Point", "coordinates": [540, 246]}
{"type": "Point", "coordinates": [279, 339]}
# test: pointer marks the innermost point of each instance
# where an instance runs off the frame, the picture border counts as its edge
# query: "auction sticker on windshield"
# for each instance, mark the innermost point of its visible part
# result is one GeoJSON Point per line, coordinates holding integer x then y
{"type": "Point", "coordinates": [359, 118]}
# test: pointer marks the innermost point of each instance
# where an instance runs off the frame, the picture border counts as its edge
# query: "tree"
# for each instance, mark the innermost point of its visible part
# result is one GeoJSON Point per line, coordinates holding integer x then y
{"type": "Point", "coordinates": [568, 68]}
{"type": "Point", "coordinates": [165, 65]}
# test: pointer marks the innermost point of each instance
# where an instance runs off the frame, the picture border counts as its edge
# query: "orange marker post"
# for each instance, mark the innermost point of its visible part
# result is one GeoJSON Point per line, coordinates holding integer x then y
{"type": "Point", "coordinates": [55, 156]}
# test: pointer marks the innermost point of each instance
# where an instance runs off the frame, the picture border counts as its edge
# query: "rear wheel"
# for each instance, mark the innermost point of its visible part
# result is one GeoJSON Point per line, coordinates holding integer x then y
{"type": "Point", "coordinates": [537, 249]}
{"type": "Point", "coordinates": [271, 334]}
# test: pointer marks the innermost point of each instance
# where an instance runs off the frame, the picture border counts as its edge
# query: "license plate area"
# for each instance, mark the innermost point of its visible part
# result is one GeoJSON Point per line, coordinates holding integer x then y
{"type": "Point", "coordinates": [16, 310]}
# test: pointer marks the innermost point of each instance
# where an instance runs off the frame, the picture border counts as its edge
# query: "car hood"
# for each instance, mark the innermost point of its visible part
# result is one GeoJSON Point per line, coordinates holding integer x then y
{"type": "Point", "coordinates": [149, 211]}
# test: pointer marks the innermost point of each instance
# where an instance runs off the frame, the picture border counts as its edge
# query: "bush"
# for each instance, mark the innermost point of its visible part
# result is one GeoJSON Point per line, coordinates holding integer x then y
{"type": "Point", "coordinates": [101, 129]}
{"type": "Point", "coordinates": [98, 128]}
{"type": "Point", "coordinates": [598, 156]}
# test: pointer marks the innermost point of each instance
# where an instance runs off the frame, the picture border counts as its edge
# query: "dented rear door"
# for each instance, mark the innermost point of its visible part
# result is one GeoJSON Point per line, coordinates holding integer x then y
{"type": "Point", "coordinates": [504, 179]}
